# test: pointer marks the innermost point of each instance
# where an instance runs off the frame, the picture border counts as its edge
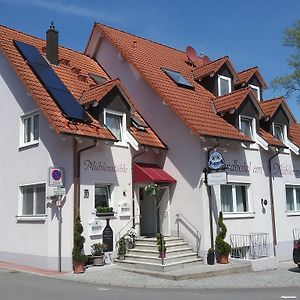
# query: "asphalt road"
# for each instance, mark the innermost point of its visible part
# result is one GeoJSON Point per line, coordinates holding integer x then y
{"type": "Point", "coordinates": [23, 286]}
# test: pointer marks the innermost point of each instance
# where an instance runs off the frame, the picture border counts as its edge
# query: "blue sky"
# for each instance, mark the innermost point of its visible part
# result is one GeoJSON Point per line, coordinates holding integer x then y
{"type": "Point", "coordinates": [250, 32]}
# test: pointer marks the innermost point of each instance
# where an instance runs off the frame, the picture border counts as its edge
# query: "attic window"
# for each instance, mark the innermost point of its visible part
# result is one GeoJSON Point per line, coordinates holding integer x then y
{"type": "Point", "coordinates": [178, 78]}
{"type": "Point", "coordinates": [97, 78]}
{"type": "Point", "coordinates": [138, 124]}
{"type": "Point", "coordinates": [278, 132]}
{"type": "Point", "coordinates": [224, 85]}
{"type": "Point", "coordinates": [256, 91]}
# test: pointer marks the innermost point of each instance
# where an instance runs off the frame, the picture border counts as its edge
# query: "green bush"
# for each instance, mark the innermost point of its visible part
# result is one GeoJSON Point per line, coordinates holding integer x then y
{"type": "Point", "coordinates": [104, 209]}
{"type": "Point", "coordinates": [122, 246]}
{"type": "Point", "coordinates": [77, 253]}
{"type": "Point", "coordinates": [160, 242]}
{"type": "Point", "coordinates": [222, 247]}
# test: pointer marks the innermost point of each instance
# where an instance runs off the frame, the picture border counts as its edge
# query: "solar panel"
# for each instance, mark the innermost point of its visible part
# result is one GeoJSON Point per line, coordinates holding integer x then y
{"type": "Point", "coordinates": [57, 89]}
{"type": "Point", "coordinates": [178, 78]}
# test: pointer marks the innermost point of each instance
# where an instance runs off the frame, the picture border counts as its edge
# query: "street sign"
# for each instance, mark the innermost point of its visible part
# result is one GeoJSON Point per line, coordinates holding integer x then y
{"type": "Point", "coordinates": [217, 178]}
{"type": "Point", "coordinates": [59, 192]}
{"type": "Point", "coordinates": [56, 177]}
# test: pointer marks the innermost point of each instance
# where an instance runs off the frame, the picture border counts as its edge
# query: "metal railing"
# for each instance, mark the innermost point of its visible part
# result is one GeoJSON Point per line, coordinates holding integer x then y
{"type": "Point", "coordinates": [254, 245]}
{"type": "Point", "coordinates": [180, 219]}
{"type": "Point", "coordinates": [118, 235]}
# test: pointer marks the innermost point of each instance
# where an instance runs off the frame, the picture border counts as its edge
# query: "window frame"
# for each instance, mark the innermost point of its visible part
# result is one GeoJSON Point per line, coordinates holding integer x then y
{"type": "Point", "coordinates": [110, 188]}
{"type": "Point", "coordinates": [282, 127]}
{"type": "Point", "coordinates": [34, 216]}
{"type": "Point", "coordinates": [183, 82]}
{"type": "Point", "coordinates": [30, 116]}
{"type": "Point", "coordinates": [228, 79]}
{"type": "Point", "coordinates": [123, 127]}
{"type": "Point", "coordinates": [257, 88]}
{"type": "Point", "coordinates": [252, 123]}
{"type": "Point", "coordinates": [296, 210]}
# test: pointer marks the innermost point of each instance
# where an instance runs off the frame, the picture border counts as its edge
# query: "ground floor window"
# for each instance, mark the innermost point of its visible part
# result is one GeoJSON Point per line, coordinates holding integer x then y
{"type": "Point", "coordinates": [234, 198]}
{"type": "Point", "coordinates": [102, 196]}
{"type": "Point", "coordinates": [292, 197]}
{"type": "Point", "coordinates": [33, 199]}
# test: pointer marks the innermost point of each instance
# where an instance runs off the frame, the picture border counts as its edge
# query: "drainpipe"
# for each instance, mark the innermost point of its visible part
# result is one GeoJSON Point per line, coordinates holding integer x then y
{"type": "Point", "coordinates": [272, 203]}
{"type": "Point", "coordinates": [132, 186]}
{"type": "Point", "coordinates": [77, 157]}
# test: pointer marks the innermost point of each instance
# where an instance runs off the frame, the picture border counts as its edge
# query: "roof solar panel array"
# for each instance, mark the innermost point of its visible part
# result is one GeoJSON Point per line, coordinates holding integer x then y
{"type": "Point", "coordinates": [56, 88]}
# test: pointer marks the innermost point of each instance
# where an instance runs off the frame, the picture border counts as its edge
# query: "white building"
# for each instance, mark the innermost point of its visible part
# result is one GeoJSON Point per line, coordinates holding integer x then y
{"type": "Point", "coordinates": [213, 108]}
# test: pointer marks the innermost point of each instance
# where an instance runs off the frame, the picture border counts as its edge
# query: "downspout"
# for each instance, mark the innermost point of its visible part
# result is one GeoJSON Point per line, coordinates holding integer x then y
{"type": "Point", "coordinates": [77, 163]}
{"type": "Point", "coordinates": [272, 203]}
{"type": "Point", "coordinates": [132, 186]}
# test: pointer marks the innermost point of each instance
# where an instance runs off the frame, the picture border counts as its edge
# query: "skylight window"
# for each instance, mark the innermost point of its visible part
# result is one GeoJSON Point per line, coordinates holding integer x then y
{"type": "Point", "coordinates": [178, 78]}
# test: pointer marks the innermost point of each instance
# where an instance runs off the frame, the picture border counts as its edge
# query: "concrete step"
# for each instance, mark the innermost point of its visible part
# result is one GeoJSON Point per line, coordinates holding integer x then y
{"type": "Point", "coordinates": [157, 260]}
{"type": "Point", "coordinates": [158, 267]}
{"type": "Point", "coordinates": [154, 252]}
{"type": "Point", "coordinates": [170, 246]}
{"type": "Point", "coordinates": [152, 241]}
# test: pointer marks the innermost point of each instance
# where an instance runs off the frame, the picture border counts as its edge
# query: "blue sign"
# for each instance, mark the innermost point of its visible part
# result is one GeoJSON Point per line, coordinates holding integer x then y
{"type": "Point", "coordinates": [216, 161]}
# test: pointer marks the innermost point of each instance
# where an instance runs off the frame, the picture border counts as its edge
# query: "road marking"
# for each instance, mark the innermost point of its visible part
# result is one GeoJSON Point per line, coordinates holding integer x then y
{"type": "Point", "coordinates": [102, 289]}
{"type": "Point", "coordinates": [288, 297]}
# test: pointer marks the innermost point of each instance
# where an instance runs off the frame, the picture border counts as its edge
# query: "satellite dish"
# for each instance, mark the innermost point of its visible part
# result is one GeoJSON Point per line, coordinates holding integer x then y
{"type": "Point", "coordinates": [191, 54]}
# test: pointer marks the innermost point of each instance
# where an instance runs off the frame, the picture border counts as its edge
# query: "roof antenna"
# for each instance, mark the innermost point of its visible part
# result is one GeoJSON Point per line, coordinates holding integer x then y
{"type": "Point", "coordinates": [52, 25]}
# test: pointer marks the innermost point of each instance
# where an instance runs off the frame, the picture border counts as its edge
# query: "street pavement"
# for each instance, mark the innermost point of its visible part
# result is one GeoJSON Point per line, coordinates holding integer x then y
{"type": "Point", "coordinates": [287, 275]}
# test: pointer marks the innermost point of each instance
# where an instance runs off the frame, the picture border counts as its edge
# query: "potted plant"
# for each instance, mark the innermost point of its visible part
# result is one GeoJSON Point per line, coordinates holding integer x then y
{"type": "Point", "coordinates": [79, 258]}
{"type": "Point", "coordinates": [121, 248]}
{"type": "Point", "coordinates": [161, 244]}
{"type": "Point", "coordinates": [98, 254]}
{"type": "Point", "coordinates": [130, 238]}
{"type": "Point", "coordinates": [104, 211]}
{"type": "Point", "coordinates": [223, 249]}
{"type": "Point", "coordinates": [211, 256]}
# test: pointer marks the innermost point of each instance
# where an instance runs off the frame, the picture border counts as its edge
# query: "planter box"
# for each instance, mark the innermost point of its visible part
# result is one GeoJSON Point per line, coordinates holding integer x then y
{"type": "Point", "coordinates": [106, 215]}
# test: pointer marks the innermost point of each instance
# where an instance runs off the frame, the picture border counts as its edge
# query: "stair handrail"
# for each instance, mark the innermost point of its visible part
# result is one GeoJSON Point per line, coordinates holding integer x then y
{"type": "Point", "coordinates": [180, 218]}
{"type": "Point", "coordinates": [118, 235]}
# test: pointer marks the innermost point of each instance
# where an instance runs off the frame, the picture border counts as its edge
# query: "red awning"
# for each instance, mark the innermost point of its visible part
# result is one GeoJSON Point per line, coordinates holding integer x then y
{"type": "Point", "coordinates": [150, 173]}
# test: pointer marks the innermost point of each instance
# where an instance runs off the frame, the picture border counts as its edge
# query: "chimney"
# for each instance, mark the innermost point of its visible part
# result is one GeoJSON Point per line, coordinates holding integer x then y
{"type": "Point", "coordinates": [52, 45]}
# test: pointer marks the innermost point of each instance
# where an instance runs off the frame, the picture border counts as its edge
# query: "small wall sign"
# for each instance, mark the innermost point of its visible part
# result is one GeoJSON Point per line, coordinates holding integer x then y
{"type": "Point", "coordinates": [217, 178]}
{"type": "Point", "coordinates": [56, 177]}
{"type": "Point", "coordinates": [216, 161]}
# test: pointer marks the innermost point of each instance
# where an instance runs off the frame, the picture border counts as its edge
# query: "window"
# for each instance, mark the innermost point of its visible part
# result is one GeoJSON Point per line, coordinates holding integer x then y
{"type": "Point", "coordinates": [246, 126]}
{"type": "Point", "coordinates": [224, 85]}
{"type": "Point", "coordinates": [115, 122]}
{"type": "Point", "coordinates": [102, 196]}
{"type": "Point", "coordinates": [292, 197]}
{"type": "Point", "coordinates": [30, 129]}
{"type": "Point", "coordinates": [33, 200]}
{"type": "Point", "coordinates": [178, 78]}
{"type": "Point", "coordinates": [256, 91]}
{"type": "Point", "coordinates": [234, 198]}
{"type": "Point", "coordinates": [278, 132]}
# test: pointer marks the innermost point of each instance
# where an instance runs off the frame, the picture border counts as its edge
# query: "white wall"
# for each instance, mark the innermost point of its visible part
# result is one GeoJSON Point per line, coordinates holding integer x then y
{"type": "Point", "coordinates": [31, 243]}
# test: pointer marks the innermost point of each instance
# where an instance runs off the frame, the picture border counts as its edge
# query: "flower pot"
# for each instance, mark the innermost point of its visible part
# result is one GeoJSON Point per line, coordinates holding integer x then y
{"type": "Point", "coordinates": [78, 267]}
{"type": "Point", "coordinates": [211, 258]}
{"type": "Point", "coordinates": [98, 260]}
{"type": "Point", "coordinates": [223, 259]}
{"type": "Point", "coordinates": [121, 256]}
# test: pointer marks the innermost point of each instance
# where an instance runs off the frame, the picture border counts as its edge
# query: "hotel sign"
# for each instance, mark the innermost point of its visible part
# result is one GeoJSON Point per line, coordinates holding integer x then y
{"type": "Point", "coordinates": [216, 161]}
{"type": "Point", "coordinates": [217, 178]}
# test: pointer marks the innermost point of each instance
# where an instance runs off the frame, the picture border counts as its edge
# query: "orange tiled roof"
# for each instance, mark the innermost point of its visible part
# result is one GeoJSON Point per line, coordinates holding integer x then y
{"type": "Point", "coordinates": [246, 75]}
{"type": "Point", "coordinates": [193, 106]}
{"type": "Point", "coordinates": [295, 133]}
{"type": "Point", "coordinates": [231, 101]}
{"type": "Point", "coordinates": [270, 106]}
{"type": "Point", "coordinates": [212, 67]}
{"type": "Point", "coordinates": [272, 140]}
{"type": "Point", "coordinates": [73, 71]}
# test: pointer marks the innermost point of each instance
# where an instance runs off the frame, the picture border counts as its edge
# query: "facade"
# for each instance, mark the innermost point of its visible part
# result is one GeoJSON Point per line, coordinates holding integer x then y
{"type": "Point", "coordinates": [139, 112]}
{"type": "Point", "coordinates": [211, 108]}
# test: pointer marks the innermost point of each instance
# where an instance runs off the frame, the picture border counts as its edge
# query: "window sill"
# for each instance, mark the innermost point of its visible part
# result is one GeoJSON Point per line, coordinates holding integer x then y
{"type": "Point", "coordinates": [292, 213]}
{"type": "Point", "coordinates": [28, 145]}
{"type": "Point", "coordinates": [122, 144]}
{"type": "Point", "coordinates": [31, 218]}
{"type": "Point", "coordinates": [238, 215]}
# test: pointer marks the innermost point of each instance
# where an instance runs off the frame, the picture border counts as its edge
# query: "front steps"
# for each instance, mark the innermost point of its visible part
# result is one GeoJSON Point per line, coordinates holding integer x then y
{"type": "Point", "coordinates": [145, 255]}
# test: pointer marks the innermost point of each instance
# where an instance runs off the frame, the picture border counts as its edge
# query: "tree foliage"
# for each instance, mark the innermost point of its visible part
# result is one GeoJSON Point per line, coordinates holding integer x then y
{"type": "Point", "coordinates": [291, 82]}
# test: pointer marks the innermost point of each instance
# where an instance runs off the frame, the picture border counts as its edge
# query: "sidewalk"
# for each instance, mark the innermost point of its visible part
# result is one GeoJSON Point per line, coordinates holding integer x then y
{"type": "Point", "coordinates": [287, 275]}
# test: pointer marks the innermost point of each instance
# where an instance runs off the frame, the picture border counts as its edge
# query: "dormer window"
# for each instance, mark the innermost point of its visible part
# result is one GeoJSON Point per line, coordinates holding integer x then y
{"type": "Point", "coordinates": [256, 91]}
{"type": "Point", "coordinates": [246, 126]}
{"type": "Point", "coordinates": [115, 122]}
{"type": "Point", "coordinates": [224, 85]}
{"type": "Point", "coordinates": [278, 132]}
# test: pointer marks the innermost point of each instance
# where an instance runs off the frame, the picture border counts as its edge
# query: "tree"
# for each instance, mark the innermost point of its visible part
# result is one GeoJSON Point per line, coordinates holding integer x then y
{"type": "Point", "coordinates": [291, 82]}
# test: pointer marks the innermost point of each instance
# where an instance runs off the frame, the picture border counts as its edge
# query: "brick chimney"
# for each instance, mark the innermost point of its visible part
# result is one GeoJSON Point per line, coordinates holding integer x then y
{"type": "Point", "coordinates": [52, 45]}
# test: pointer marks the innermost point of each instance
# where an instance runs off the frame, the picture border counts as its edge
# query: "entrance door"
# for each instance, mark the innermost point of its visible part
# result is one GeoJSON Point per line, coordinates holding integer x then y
{"type": "Point", "coordinates": [164, 212]}
{"type": "Point", "coordinates": [148, 214]}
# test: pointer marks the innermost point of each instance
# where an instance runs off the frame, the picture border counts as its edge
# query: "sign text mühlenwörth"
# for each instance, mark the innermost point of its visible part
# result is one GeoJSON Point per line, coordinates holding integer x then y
{"type": "Point", "coordinates": [102, 166]}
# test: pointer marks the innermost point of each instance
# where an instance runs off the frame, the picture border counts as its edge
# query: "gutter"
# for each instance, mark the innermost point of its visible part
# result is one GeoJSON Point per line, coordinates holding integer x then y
{"type": "Point", "coordinates": [272, 203]}
{"type": "Point", "coordinates": [76, 179]}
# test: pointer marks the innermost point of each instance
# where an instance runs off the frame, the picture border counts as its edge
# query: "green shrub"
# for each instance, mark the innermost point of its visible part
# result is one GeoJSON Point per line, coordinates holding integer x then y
{"type": "Point", "coordinates": [222, 247]}
{"type": "Point", "coordinates": [77, 253]}
{"type": "Point", "coordinates": [160, 242]}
